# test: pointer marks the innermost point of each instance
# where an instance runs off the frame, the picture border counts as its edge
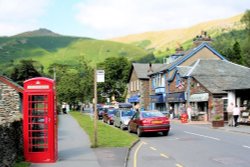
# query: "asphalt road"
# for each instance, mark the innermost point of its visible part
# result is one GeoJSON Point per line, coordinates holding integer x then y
{"type": "Point", "coordinates": [192, 146]}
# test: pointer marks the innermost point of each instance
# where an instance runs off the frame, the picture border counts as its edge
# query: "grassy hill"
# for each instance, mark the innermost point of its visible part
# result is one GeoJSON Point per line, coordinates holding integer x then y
{"type": "Point", "coordinates": [161, 40]}
{"type": "Point", "coordinates": [62, 49]}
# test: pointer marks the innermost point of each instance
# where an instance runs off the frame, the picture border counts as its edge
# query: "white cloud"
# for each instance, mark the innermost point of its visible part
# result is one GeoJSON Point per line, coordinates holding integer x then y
{"type": "Point", "coordinates": [120, 17]}
{"type": "Point", "coordinates": [20, 15]}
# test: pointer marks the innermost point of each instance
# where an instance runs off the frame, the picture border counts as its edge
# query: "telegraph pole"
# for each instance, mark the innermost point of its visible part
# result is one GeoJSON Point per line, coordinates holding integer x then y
{"type": "Point", "coordinates": [98, 77]}
{"type": "Point", "coordinates": [95, 109]}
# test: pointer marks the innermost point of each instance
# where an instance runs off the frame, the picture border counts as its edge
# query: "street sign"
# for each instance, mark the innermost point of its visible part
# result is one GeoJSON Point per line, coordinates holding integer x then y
{"type": "Point", "coordinates": [100, 75]}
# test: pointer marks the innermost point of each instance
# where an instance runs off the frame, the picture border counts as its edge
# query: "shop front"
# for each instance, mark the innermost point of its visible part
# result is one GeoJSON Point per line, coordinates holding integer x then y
{"type": "Point", "coordinates": [177, 102]}
{"type": "Point", "coordinates": [134, 99]}
{"type": "Point", "coordinates": [199, 104]}
{"type": "Point", "coordinates": [158, 102]}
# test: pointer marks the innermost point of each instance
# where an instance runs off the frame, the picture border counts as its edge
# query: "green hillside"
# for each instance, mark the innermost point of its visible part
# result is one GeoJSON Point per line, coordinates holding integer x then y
{"type": "Point", "coordinates": [62, 49]}
{"type": "Point", "coordinates": [165, 42]}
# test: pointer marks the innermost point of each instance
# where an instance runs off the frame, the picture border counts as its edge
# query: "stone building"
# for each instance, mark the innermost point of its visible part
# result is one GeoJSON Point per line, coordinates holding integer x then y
{"type": "Point", "coordinates": [138, 84]}
{"type": "Point", "coordinates": [10, 121]}
{"type": "Point", "coordinates": [10, 98]}
{"type": "Point", "coordinates": [208, 81]}
{"type": "Point", "coordinates": [166, 80]}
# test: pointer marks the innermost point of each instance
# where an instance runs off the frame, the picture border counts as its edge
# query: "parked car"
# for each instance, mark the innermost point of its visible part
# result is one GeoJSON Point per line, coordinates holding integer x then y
{"type": "Point", "coordinates": [125, 105]}
{"type": "Point", "coordinates": [149, 121]}
{"type": "Point", "coordinates": [100, 112]}
{"type": "Point", "coordinates": [122, 117]}
{"type": "Point", "coordinates": [108, 115]}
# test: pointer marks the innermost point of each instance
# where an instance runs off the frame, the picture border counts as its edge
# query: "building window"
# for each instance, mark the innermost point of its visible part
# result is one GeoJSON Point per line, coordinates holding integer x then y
{"type": "Point", "coordinates": [178, 80]}
{"type": "Point", "coordinates": [138, 85]}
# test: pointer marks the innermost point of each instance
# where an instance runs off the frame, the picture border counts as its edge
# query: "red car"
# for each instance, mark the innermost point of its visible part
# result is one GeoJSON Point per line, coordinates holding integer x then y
{"type": "Point", "coordinates": [149, 121]}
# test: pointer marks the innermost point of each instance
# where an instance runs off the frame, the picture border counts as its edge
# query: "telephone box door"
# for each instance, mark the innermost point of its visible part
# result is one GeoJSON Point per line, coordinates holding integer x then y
{"type": "Point", "coordinates": [40, 136]}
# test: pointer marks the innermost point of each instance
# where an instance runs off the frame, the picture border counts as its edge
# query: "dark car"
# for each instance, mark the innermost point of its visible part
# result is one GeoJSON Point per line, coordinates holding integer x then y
{"type": "Point", "coordinates": [108, 115]}
{"type": "Point", "coordinates": [149, 121]}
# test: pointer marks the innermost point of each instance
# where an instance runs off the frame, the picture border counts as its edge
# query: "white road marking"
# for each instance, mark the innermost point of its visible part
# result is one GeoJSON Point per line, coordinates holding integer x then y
{"type": "Point", "coordinates": [209, 137]}
{"type": "Point", "coordinates": [164, 155]}
{"type": "Point", "coordinates": [153, 148]}
{"type": "Point", "coordinates": [178, 165]}
{"type": "Point", "coordinates": [246, 146]}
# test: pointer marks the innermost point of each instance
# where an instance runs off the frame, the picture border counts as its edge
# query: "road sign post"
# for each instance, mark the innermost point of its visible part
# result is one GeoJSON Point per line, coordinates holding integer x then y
{"type": "Point", "coordinates": [98, 77]}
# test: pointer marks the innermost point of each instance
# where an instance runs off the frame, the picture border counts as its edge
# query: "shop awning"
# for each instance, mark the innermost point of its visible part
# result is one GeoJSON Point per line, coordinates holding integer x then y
{"type": "Point", "coordinates": [134, 99]}
{"type": "Point", "coordinates": [199, 97]}
{"type": "Point", "coordinates": [176, 97]}
{"type": "Point", "coordinates": [157, 99]}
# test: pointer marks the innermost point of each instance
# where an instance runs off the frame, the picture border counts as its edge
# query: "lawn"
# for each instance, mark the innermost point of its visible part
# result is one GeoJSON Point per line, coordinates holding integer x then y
{"type": "Point", "coordinates": [21, 164]}
{"type": "Point", "coordinates": [107, 136]}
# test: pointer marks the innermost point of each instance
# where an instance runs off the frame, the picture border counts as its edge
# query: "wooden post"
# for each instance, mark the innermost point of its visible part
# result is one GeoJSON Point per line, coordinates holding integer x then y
{"type": "Point", "coordinates": [95, 109]}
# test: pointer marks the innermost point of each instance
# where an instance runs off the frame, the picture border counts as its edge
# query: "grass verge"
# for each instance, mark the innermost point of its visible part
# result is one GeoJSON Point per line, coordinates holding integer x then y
{"type": "Point", "coordinates": [21, 164]}
{"type": "Point", "coordinates": [107, 136]}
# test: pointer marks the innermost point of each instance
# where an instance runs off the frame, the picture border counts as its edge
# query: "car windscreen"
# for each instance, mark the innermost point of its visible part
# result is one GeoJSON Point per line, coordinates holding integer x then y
{"type": "Point", "coordinates": [127, 113]}
{"type": "Point", "coordinates": [111, 111]}
{"type": "Point", "coordinates": [149, 114]}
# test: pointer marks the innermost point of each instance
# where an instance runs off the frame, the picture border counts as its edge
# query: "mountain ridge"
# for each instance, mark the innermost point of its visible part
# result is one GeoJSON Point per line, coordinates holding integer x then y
{"type": "Point", "coordinates": [173, 37]}
{"type": "Point", "coordinates": [37, 33]}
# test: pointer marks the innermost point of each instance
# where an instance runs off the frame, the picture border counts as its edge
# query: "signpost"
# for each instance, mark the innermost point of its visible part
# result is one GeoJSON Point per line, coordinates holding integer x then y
{"type": "Point", "coordinates": [99, 76]}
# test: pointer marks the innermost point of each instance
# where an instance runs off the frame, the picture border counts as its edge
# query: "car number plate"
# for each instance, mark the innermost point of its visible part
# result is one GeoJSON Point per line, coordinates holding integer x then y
{"type": "Point", "coordinates": [157, 122]}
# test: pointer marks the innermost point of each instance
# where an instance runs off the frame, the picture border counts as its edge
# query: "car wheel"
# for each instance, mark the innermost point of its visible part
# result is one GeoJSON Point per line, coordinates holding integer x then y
{"type": "Point", "coordinates": [165, 133]}
{"type": "Point", "coordinates": [129, 129]}
{"type": "Point", "coordinates": [139, 133]}
{"type": "Point", "coordinates": [122, 126]}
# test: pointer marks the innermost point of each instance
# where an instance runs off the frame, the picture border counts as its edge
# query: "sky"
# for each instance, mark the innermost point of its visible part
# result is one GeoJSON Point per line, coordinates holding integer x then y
{"type": "Point", "coordinates": [104, 19]}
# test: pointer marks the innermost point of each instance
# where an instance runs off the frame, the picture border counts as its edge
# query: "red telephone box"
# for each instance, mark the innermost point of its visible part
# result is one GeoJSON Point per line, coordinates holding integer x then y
{"type": "Point", "coordinates": [40, 120]}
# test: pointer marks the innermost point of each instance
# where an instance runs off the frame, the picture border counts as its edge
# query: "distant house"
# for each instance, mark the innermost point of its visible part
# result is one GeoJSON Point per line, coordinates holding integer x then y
{"type": "Point", "coordinates": [10, 98]}
{"type": "Point", "coordinates": [165, 82]}
{"type": "Point", "coordinates": [138, 84]}
{"type": "Point", "coordinates": [216, 79]}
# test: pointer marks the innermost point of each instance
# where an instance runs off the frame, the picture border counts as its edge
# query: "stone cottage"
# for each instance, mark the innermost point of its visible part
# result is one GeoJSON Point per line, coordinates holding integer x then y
{"type": "Point", "coordinates": [10, 121]}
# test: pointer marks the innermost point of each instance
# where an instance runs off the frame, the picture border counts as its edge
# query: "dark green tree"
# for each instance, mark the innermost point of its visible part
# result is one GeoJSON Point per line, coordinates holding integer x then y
{"type": "Point", "coordinates": [116, 76]}
{"type": "Point", "coordinates": [23, 71]}
{"type": "Point", "coordinates": [237, 53]}
{"type": "Point", "coordinates": [74, 83]}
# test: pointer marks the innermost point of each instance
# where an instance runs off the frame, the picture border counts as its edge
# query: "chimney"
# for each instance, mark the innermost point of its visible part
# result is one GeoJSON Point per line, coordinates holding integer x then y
{"type": "Point", "coordinates": [150, 67]}
{"type": "Point", "coordinates": [199, 39]}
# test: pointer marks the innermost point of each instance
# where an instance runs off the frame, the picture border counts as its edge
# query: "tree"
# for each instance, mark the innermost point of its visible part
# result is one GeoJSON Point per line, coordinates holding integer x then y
{"type": "Point", "coordinates": [246, 47]}
{"type": "Point", "coordinates": [73, 83]}
{"type": "Point", "coordinates": [23, 71]}
{"type": "Point", "coordinates": [237, 53]}
{"type": "Point", "coordinates": [116, 76]}
{"type": "Point", "coordinates": [246, 20]}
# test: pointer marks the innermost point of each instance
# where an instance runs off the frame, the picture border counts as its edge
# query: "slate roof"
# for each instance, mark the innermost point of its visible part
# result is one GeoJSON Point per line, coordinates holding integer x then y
{"type": "Point", "coordinates": [189, 53]}
{"type": "Point", "coordinates": [142, 70]}
{"type": "Point", "coordinates": [12, 84]}
{"type": "Point", "coordinates": [220, 75]}
{"type": "Point", "coordinates": [183, 70]}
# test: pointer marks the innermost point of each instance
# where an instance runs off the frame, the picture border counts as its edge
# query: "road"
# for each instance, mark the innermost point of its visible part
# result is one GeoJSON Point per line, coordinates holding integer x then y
{"type": "Point", "coordinates": [192, 146]}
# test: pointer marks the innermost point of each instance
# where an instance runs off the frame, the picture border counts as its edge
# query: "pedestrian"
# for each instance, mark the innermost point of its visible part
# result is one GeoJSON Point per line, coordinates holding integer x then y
{"type": "Point", "coordinates": [189, 112]}
{"type": "Point", "coordinates": [64, 108]}
{"type": "Point", "coordinates": [171, 112]}
{"type": "Point", "coordinates": [236, 113]}
{"type": "Point", "coordinates": [230, 114]}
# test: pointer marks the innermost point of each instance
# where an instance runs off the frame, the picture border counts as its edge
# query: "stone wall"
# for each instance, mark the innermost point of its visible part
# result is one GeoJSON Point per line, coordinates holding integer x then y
{"type": "Point", "coordinates": [9, 102]}
{"type": "Point", "coordinates": [11, 142]}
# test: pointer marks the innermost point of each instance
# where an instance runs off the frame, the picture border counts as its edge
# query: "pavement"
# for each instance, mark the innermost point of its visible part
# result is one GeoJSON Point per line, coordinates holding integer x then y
{"type": "Point", "coordinates": [74, 149]}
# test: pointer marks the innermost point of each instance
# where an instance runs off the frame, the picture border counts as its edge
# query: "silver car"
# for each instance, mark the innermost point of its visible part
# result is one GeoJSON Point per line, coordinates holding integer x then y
{"type": "Point", "coordinates": [122, 117]}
